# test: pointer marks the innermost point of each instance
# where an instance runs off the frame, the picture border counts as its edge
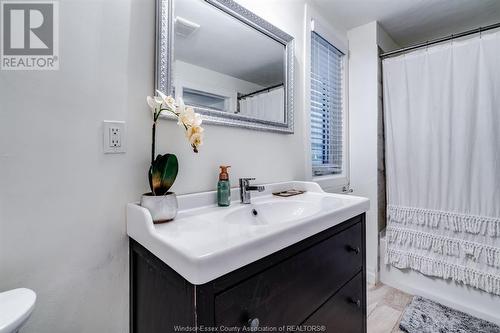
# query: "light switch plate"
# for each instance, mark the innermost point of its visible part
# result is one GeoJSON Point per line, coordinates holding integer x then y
{"type": "Point", "coordinates": [114, 139]}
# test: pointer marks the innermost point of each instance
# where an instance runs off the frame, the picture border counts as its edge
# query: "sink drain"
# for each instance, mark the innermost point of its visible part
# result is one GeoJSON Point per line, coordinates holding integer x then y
{"type": "Point", "coordinates": [254, 212]}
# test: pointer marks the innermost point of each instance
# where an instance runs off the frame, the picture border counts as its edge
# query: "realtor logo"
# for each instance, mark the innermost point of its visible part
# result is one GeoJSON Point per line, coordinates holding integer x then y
{"type": "Point", "coordinates": [29, 35]}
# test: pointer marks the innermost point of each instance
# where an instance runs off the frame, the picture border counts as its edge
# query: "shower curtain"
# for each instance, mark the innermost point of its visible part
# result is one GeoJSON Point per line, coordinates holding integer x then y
{"type": "Point", "coordinates": [265, 106]}
{"type": "Point", "coordinates": [442, 122]}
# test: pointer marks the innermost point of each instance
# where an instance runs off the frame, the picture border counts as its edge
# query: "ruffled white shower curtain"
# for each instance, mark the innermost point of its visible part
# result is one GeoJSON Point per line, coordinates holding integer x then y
{"type": "Point", "coordinates": [442, 123]}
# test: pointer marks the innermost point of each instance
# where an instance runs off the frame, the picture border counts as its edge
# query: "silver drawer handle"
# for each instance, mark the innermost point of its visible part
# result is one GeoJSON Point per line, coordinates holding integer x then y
{"type": "Point", "coordinates": [253, 324]}
{"type": "Point", "coordinates": [353, 249]}
{"type": "Point", "coordinates": [355, 301]}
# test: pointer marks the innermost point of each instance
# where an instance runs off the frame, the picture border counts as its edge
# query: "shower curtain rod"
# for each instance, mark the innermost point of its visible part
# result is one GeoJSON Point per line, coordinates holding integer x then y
{"type": "Point", "coordinates": [438, 40]}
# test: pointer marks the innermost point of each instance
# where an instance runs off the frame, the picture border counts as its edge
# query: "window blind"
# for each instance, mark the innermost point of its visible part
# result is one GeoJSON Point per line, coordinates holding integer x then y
{"type": "Point", "coordinates": [326, 107]}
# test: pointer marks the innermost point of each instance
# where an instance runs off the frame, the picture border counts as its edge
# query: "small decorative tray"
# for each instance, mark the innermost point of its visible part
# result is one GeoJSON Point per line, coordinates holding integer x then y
{"type": "Point", "coordinates": [288, 193]}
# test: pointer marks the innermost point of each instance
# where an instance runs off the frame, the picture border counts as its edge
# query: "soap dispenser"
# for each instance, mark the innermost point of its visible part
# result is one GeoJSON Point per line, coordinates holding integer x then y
{"type": "Point", "coordinates": [223, 187]}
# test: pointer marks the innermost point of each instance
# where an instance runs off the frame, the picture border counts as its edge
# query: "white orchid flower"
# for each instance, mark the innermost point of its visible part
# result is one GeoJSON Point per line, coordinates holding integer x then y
{"type": "Point", "coordinates": [161, 95]}
{"type": "Point", "coordinates": [197, 119]}
{"type": "Point", "coordinates": [180, 105]}
{"type": "Point", "coordinates": [196, 140]}
{"type": "Point", "coordinates": [169, 101]}
{"type": "Point", "coordinates": [186, 117]}
{"type": "Point", "coordinates": [153, 102]}
{"type": "Point", "coordinates": [195, 137]}
{"type": "Point", "coordinates": [193, 130]}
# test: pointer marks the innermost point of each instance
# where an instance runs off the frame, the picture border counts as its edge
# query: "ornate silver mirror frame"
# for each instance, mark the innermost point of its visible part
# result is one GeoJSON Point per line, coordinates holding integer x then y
{"type": "Point", "coordinates": [165, 55]}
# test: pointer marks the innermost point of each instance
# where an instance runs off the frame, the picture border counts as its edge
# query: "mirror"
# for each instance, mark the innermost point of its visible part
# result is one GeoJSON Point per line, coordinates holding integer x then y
{"type": "Point", "coordinates": [230, 65]}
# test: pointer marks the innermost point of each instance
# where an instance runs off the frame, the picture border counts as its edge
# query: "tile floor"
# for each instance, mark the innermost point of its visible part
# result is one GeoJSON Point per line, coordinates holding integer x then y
{"type": "Point", "coordinates": [385, 307]}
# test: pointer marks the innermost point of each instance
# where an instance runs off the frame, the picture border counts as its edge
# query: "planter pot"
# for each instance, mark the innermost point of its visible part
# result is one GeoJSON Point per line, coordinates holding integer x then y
{"type": "Point", "coordinates": [163, 208]}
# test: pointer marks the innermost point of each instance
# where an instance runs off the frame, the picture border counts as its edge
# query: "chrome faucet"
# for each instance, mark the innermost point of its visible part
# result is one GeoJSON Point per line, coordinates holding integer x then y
{"type": "Point", "coordinates": [245, 189]}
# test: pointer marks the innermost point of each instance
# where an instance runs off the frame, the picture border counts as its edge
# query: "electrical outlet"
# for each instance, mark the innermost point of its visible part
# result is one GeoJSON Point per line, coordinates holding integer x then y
{"type": "Point", "coordinates": [114, 136]}
{"type": "Point", "coordinates": [115, 139]}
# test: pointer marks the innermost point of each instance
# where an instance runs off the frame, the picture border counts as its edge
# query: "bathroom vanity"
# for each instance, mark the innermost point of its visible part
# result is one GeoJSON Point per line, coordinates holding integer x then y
{"type": "Point", "coordinates": [298, 261]}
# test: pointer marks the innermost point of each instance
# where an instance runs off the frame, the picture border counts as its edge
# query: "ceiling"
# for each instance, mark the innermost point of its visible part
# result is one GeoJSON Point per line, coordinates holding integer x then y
{"type": "Point", "coordinates": [227, 45]}
{"type": "Point", "coordinates": [411, 21]}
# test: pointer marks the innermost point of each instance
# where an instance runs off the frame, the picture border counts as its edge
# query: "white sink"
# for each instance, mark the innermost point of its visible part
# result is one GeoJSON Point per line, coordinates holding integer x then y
{"type": "Point", "coordinates": [274, 212]}
{"type": "Point", "coordinates": [205, 241]}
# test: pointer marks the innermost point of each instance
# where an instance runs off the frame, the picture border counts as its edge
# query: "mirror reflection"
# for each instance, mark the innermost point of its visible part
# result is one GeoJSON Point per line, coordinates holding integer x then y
{"type": "Point", "coordinates": [222, 65]}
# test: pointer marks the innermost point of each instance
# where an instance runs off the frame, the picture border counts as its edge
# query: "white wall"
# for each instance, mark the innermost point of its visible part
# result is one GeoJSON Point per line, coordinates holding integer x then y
{"type": "Point", "coordinates": [364, 92]}
{"type": "Point", "coordinates": [199, 78]}
{"type": "Point", "coordinates": [385, 41]}
{"type": "Point", "coordinates": [62, 202]}
{"type": "Point", "coordinates": [363, 113]}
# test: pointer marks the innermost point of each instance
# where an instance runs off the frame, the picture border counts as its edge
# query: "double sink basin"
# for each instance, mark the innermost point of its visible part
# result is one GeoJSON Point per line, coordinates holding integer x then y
{"type": "Point", "coordinates": [205, 241]}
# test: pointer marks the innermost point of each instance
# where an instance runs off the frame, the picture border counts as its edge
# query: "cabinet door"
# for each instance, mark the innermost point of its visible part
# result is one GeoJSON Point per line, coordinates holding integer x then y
{"type": "Point", "coordinates": [343, 312]}
{"type": "Point", "coordinates": [289, 292]}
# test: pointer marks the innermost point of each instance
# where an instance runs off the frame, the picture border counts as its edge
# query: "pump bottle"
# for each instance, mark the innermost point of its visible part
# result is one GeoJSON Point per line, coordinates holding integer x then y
{"type": "Point", "coordinates": [223, 187]}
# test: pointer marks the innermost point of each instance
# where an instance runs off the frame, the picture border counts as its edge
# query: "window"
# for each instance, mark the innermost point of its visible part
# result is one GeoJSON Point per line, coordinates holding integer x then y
{"type": "Point", "coordinates": [326, 107]}
{"type": "Point", "coordinates": [203, 99]}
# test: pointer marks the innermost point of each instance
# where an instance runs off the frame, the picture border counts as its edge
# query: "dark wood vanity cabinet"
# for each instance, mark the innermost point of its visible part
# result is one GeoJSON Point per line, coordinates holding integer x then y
{"type": "Point", "coordinates": [319, 282]}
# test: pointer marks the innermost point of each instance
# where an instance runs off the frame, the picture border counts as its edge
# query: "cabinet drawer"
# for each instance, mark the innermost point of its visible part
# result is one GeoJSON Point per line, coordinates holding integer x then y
{"type": "Point", "coordinates": [290, 291]}
{"type": "Point", "coordinates": [343, 313]}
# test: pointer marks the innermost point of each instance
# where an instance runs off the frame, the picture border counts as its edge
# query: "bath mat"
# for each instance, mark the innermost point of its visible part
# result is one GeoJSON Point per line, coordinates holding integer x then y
{"type": "Point", "coordinates": [425, 316]}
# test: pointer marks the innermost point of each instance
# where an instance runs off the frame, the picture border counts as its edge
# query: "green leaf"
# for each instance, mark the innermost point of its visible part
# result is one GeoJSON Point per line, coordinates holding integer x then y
{"type": "Point", "coordinates": [162, 173]}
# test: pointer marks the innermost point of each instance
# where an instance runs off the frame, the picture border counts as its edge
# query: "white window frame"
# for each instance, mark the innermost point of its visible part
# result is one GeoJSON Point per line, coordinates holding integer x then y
{"type": "Point", "coordinates": [314, 22]}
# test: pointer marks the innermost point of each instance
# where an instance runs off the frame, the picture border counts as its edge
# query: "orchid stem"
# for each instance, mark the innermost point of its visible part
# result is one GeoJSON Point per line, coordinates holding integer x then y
{"type": "Point", "coordinates": [155, 119]}
{"type": "Point", "coordinates": [153, 142]}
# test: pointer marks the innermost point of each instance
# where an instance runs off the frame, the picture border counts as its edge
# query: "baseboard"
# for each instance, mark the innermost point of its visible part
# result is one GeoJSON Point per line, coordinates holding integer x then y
{"type": "Point", "coordinates": [466, 299]}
